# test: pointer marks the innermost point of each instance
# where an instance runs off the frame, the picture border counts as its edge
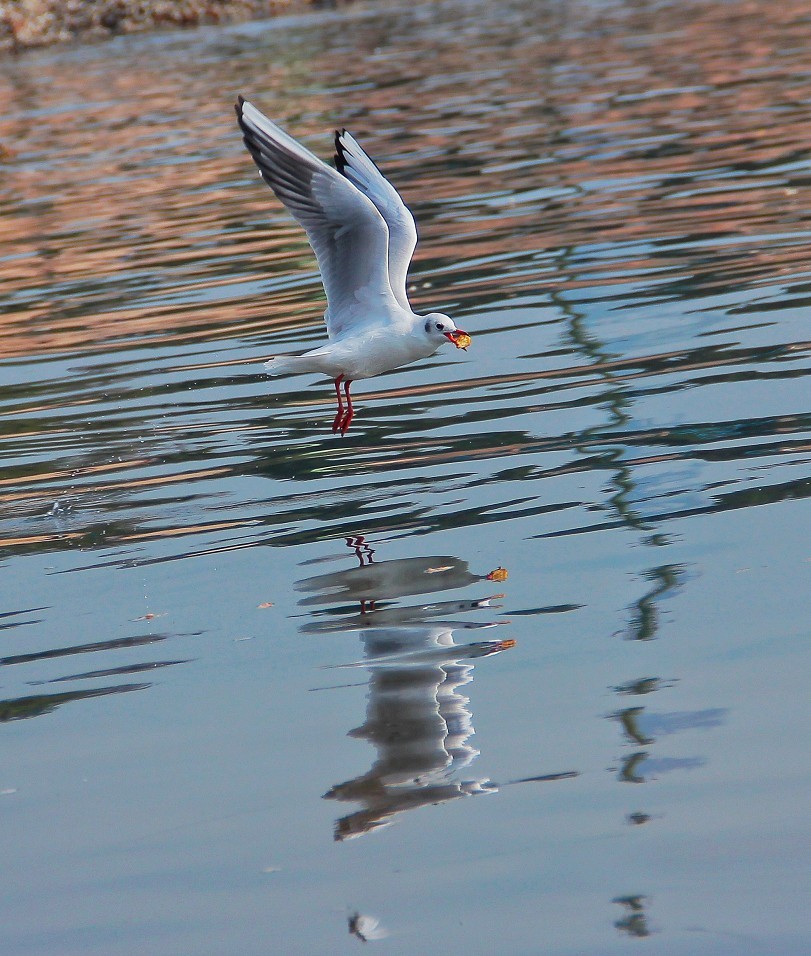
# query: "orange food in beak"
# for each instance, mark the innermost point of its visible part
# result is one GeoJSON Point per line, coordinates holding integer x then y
{"type": "Point", "coordinates": [459, 338]}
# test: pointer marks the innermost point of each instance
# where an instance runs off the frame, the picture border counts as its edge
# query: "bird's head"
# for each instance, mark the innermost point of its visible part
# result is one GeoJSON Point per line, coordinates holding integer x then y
{"type": "Point", "coordinates": [438, 327]}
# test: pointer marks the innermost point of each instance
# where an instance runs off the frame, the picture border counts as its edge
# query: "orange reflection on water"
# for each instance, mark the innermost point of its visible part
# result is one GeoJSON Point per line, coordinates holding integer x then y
{"type": "Point", "coordinates": [135, 216]}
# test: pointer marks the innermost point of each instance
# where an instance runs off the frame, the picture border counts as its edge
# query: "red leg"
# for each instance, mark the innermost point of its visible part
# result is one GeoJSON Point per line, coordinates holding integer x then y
{"type": "Point", "coordinates": [350, 411]}
{"type": "Point", "coordinates": [339, 417]}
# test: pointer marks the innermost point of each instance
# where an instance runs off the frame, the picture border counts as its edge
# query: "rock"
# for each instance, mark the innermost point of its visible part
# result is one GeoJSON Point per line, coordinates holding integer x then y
{"type": "Point", "coordinates": [31, 23]}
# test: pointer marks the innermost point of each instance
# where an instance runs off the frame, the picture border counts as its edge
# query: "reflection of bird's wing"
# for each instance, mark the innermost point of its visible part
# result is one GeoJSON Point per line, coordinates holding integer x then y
{"type": "Point", "coordinates": [347, 232]}
{"type": "Point", "coordinates": [361, 171]}
{"type": "Point", "coordinates": [427, 646]}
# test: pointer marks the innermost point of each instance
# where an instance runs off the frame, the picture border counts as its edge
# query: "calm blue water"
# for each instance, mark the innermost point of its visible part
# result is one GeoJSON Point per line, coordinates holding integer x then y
{"type": "Point", "coordinates": [269, 690]}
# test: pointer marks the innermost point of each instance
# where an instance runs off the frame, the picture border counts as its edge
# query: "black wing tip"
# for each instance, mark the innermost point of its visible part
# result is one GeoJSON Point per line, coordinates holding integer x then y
{"type": "Point", "coordinates": [340, 158]}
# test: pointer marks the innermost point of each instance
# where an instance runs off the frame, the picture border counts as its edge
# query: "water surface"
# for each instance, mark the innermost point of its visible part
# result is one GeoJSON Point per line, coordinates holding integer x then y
{"type": "Point", "coordinates": [254, 673]}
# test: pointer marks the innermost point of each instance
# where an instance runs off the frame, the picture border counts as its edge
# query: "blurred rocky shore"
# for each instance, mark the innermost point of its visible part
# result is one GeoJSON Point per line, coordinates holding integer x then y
{"type": "Point", "coordinates": [30, 23]}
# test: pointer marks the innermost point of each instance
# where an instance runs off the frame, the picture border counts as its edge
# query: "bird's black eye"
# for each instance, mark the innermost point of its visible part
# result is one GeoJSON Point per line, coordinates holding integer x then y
{"type": "Point", "coordinates": [439, 326]}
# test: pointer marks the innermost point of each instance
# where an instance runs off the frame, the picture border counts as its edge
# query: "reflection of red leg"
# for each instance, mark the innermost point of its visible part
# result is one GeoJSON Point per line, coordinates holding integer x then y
{"type": "Point", "coordinates": [363, 552]}
{"type": "Point", "coordinates": [365, 556]}
{"type": "Point", "coordinates": [339, 417]}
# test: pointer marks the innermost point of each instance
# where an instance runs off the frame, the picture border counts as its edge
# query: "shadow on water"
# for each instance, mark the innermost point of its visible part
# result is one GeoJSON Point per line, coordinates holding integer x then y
{"type": "Point", "coordinates": [19, 708]}
{"type": "Point", "coordinates": [417, 718]}
{"type": "Point", "coordinates": [625, 505]}
{"type": "Point", "coordinates": [35, 706]}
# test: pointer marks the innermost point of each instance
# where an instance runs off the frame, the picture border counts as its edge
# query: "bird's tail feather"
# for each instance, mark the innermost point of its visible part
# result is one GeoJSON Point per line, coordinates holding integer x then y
{"type": "Point", "coordinates": [290, 364]}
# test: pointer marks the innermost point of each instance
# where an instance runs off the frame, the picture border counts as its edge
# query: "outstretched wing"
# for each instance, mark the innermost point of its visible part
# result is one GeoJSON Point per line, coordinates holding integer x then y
{"type": "Point", "coordinates": [361, 171]}
{"type": "Point", "coordinates": [347, 232]}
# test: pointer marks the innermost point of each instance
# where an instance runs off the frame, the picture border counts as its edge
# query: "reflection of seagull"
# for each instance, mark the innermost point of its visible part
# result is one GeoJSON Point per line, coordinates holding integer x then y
{"type": "Point", "coordinates": [417, 719]}
{"type": "Point", "coordinates": [418, 722]}
{"type": "Point", "coordinates": [363, 237]}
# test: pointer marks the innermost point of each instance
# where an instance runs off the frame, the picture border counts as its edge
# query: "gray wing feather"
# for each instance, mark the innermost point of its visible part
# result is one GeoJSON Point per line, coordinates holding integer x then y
{"type": "Point", "coordinates": [362, 172]}
{"type": "Point", "coordinates": [348, 234]}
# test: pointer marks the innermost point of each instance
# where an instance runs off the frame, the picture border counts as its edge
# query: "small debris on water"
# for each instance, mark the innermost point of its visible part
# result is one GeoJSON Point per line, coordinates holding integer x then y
{"type": "Point", "coordinates": [59, 509]}
{"type": "Point", "coordinates": [366, 928]}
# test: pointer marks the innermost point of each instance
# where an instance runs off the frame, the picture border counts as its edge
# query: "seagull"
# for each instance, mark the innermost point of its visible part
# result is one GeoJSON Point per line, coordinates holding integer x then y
{"type": "Point", "coordinates": [363, 236]}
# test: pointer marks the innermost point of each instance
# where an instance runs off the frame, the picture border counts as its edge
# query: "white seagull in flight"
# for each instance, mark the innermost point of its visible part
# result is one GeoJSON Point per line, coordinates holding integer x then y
{"type": "Point", "coordinates": [363, 236]}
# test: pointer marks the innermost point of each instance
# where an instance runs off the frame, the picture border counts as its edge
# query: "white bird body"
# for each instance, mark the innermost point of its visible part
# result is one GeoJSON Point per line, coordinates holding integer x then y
{"type": "Point", "coordinates": [363, 236]}
{"type": "Point", "coordinates": [369, 352]}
